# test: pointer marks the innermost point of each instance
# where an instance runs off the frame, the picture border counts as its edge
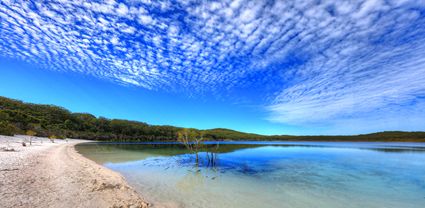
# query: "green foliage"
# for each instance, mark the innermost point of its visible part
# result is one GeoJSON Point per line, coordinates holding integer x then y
{"type": "Point", "coordinates": [6, 128]}
{"type": "Point", "coordinates": [227, 134]}
{"type": "Point", "coordinates": [17, 117]}
{"type": "Point", "coordinates": [30, 133]}
{"type": "Point", "coordinates": [191, 138]}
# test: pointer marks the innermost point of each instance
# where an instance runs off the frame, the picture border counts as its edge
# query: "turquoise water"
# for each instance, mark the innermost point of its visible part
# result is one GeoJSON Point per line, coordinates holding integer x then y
{"type": "Point", "coordinates": [271, 174]}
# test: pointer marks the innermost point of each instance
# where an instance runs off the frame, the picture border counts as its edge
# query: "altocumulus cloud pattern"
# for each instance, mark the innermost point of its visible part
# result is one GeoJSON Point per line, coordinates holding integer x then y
{"type": "Point", "coordinates": [320, 60]}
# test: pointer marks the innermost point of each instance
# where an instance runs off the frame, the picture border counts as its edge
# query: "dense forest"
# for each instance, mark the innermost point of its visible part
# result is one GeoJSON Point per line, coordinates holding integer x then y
{"type": "Point", "coordinates": [17, 117]}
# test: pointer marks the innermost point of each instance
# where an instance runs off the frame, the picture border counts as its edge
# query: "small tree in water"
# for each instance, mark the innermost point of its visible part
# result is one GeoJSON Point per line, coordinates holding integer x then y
{"type": "Point", "coordinates": [192, 139]}
{"type": "Point", "coordinates": [212, 154]}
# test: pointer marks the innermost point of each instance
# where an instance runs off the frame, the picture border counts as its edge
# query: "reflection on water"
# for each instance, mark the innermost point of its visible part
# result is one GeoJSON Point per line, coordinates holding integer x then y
{"type": "Point", "coordinates": [271, 174]}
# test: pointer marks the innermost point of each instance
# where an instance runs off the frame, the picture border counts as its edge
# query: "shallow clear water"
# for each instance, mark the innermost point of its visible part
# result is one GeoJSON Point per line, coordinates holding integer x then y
{"type": "Point", "coordinates": [271, 174]}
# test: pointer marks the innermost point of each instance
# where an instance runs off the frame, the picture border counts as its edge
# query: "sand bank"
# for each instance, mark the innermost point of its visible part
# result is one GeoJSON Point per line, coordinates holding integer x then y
{"type": "Point", "coordinates": [49, 174]}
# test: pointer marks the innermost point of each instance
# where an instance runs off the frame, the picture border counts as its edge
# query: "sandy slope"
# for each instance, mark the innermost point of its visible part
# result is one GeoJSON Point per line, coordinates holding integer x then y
{"type": "Point", "coordinates": [55, 175]}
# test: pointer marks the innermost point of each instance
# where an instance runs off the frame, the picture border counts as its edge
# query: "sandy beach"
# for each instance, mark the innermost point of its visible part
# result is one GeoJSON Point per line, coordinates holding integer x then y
{"type": "Point", "coordinates": [47, 174]}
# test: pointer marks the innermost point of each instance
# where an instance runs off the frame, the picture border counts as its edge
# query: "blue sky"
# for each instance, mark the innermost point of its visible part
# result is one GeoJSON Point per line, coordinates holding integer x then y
{"type": "Point", "coordinates": [270, 67]}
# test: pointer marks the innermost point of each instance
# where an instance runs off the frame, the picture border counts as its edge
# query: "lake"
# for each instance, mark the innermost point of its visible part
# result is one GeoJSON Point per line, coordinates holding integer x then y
{"type": "Point", "coordinates": [270, 174]}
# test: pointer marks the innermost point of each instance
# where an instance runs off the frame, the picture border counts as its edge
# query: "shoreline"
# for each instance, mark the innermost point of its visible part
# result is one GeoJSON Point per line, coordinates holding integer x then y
{"type": "Point", "coordinates": [47, 174]}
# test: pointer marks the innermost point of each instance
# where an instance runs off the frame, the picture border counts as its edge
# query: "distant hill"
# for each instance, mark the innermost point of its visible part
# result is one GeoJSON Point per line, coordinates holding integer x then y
{"type": "Point", "coordinates": [17, 117]}
{"type": "Point", "coordinates": [228, 134]}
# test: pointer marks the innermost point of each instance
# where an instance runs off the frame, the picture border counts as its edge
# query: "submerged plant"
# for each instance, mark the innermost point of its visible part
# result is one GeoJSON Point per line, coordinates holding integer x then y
{"type": "Point", "coordinates": [192, 140]}
{"type": "Point", "coordinates": [212, 154]}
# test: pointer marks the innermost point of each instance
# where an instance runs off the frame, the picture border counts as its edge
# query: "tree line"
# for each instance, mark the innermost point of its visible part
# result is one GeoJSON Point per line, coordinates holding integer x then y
{"type": "Point", "coordinates": [17, 117]}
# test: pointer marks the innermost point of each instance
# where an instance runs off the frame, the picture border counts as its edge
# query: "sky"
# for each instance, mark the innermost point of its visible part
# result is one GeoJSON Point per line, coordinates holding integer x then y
{"type": "Point", "coordinates": [271, 67]}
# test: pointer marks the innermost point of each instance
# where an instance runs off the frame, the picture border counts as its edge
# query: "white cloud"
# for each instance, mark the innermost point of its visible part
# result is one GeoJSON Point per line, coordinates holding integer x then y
{"type": "Point", "coordinates": [129, 30]}
{"type": "Point", "coordinates": [145, 19]}
{"type": "Point", "coordinates": [122, 9]}
{"type": "Point", "coordinates": [114, 41]}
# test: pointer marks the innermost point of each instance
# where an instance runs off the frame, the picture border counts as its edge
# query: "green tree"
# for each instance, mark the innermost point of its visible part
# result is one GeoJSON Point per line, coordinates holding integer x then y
{"type": "Point", "coordinates": [4, 116]}
{"type": "Point", "coordinates": [6, 128]}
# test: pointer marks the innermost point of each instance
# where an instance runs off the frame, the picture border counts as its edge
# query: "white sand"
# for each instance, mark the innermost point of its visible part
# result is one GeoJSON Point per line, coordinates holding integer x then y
{"type": "Point", "coordinates": [54, 175]}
